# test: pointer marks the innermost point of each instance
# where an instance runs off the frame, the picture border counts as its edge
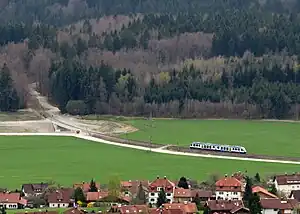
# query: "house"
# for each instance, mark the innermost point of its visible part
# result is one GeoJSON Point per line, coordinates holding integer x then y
{"type": "Point", "coordinates": [182, 195]}
{"type": "Point", "coordinates": [34, 189]}
{"type": "Point", "coordinates": [187, 208]}
{"type": "Point", "coordinates": [204, 195]}
{"type": "Point", "coordinates": [228, 188]}
{"type": "Point", "coordinates": [295, 194]}
{"type": "Point", "coordinates": [227, 207]}
{"type": "Point", "coordinates": [275, 206]}
{"type": "Point", "coordinates": [287, 183]}
{"type": "Point", "coordinates": [156, 186]}
{"type": "Point", "coordinates": [105, 197]}
{"type": "Point", "coordinates": [60, 198]}
{"type": "Point", "coordinates": [85, 186]}
{"type": "Point", "coordinates": [130, 209]}
{"type": "Point", "coordinates": [12, 200]}
{"type": "Point", "coordinates": [165, 211]}
{"type": "Point", "coordinates": [263, 193]}
{"type": "Point", "coordinates": [130, 188]}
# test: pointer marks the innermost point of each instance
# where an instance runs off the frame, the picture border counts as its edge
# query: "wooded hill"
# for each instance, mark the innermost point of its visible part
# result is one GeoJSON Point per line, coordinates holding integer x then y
{"type": "Point", "coordinates": [192, 58]}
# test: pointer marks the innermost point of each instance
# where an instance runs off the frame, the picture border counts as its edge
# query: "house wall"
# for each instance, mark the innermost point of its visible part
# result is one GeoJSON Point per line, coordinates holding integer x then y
{"type": "Point", "coordinates": [153, 196]}
{"type": "Point", "coordinates": [286, 189]}
{"type": "Point", "coordinates": [263, 196]}
{"type": "Point", "coordinates": [223, 195]}
{"type": "Point", "coordinates": [182, 200]}
{"type": "Point", "coordinates": [63, 205]}
{"type": "Point", "coordinates": [9, 205]}
{"type": "Point", "coordinates": [269, 211]}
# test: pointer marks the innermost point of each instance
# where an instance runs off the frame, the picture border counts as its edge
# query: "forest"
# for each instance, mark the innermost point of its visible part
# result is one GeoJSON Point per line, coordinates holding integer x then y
{"type": "Point", "coordinates": [167, 58]}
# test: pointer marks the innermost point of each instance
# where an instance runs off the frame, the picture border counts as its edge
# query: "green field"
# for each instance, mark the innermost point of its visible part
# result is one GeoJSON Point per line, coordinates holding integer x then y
{"type": "Point", "coordinates": [272, 138]}
{"type": "Point", "coordinates": [67, 160]}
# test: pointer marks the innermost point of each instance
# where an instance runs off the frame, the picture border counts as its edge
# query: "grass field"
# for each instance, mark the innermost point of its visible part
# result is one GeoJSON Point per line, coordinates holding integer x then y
{"type": "Point", "coordinates": [68, 160]}
{"type": "Point", "coordinates": [20, 115]}
{"type": "Point", "coordinates": [272, 138]}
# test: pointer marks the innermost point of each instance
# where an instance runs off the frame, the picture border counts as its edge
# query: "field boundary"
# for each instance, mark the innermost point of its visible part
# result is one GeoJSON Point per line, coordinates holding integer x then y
{"type": "Point", "coordinates": [157, 149]}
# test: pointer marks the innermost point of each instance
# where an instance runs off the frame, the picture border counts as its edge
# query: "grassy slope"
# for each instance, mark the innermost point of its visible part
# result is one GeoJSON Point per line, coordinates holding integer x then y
{"type": "Point", "coordinates": [273, 138]}
{"type": "Point", "coordinates": [68, 160]}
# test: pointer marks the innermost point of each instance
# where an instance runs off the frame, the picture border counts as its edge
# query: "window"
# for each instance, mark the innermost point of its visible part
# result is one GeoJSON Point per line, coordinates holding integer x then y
{"type": "Point", "coordinates": [235, 193]}
{"type": "Point", "coordinates": [152, 194]}
{"type": "Point", "coordinates": [152, 199]}
{"type": "Point", "coordinates": [168, 194]}
{"type": "Point", "coordinates": [221, 193]}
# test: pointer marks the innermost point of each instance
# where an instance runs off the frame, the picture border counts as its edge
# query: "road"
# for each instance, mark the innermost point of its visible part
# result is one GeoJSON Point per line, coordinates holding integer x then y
{"type": "Point", "coordinates": [52, 113]}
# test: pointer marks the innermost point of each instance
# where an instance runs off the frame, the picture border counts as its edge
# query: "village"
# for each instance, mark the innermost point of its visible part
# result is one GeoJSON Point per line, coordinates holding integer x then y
{"type": "Point", "coordinates": [235, 194]}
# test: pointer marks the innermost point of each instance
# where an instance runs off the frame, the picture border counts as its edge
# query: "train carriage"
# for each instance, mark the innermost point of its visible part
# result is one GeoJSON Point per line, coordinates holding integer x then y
{"type": "Point", "coordinates": [218, 147]}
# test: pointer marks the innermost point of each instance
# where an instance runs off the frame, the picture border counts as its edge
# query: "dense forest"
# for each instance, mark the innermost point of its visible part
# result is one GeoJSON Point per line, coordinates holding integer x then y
{"type": "Point", "coordinates": [166, 58]}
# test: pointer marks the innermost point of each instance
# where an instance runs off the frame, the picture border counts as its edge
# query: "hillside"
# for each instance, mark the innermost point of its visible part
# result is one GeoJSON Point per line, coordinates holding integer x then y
{"type": "Point", "coordinates": [167, 58]}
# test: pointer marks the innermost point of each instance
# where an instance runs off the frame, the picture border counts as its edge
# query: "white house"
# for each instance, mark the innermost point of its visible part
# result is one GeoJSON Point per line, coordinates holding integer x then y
{"type": "Point", "coordinates": [229, 188]}
{"type": "Point", "coordinates": [60, 198]}
{"type": "Point", "coordinates": [156, 186]}
{"type": "Point", "coordinates": [287, 183]}
{"type": "Point", "coordinates": [12, 200]}
{"type": "Point", "coordinates": [275, 206]}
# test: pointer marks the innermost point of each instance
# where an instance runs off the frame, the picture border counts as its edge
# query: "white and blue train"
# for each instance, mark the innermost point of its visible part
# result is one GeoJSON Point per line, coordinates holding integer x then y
{"type": "Point", "coordinates": [218, 147]}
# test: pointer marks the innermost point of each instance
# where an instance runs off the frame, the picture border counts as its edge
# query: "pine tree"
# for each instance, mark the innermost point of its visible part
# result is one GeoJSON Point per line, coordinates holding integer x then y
{"type": "Point", "coordinates": [79, 195]}
{"type": "Point", "coordinates": [93, 187]}
{"type": "Point", "coordinates": [254, 204]}
{"type": "Point", "coordinates": [197, 201]}
{"type": "Point", "coordinates": [183, 183]}
{"type": "Point", "coordinates": [273, 189]}
{"type": "Point", "coordinates": [257, 177]}
{"type": "Point", "coordinates": [162, 199]}
{"type": "Point", "coordinates": [248, 191]}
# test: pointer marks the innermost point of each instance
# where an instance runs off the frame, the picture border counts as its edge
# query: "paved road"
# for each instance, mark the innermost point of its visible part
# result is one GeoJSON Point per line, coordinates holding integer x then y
{"type": "Point", "coordinates": [157, 150]}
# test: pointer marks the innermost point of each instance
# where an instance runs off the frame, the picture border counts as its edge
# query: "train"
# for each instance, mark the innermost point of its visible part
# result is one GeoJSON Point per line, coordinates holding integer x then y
{"type": "Point", "coordinates": [218, 147]}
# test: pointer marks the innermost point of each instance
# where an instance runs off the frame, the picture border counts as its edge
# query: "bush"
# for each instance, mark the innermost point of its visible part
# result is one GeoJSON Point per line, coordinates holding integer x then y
{"type": "Point", "coordinates": [77, 107]}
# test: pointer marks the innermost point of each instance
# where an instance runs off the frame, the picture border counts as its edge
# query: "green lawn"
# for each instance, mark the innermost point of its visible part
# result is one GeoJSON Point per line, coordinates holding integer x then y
{"type": "Point", "coordinates": [67, 160]}
{"type": "Point", "coordinates": [273, 138]}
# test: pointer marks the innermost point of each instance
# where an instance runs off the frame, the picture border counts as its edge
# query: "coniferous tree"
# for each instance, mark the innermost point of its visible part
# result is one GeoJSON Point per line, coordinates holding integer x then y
{"type": "Point", "coordinates": [197, 201]}
{"type": "Point", "coordinates": [248, 191]}
{"type": "Point", "coordinates": [93, 187]}
{"type": "Point", "coordinates": [183, 183]}
{"type": "Point", "coordinates": [162, 199]}
{"type": "Point", "coordinates": [79, 195]}
{"type": "Point", "coordinates": [141, 195]}
{"type": "Point", "coordinates": [273, 189]}
{"type": "Point", "coordinates": [257, 178]}
{"type": "Point", "coordinates": [254, 204]}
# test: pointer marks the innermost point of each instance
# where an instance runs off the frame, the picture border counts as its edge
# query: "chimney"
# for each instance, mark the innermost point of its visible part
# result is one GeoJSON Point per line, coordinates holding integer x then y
{"type": "Point", "coordinates": [285, 173]}
{"type": "Point", "coordinates": [157, 177]}
{"type": "Point", "coordinates": [165, 177]}
{"type": "Point", "coordinates": [294, 173]}
{"type": "Point", "coordinates": [185, 202]}
{"type": "Point", "coordinates": [225, 175]}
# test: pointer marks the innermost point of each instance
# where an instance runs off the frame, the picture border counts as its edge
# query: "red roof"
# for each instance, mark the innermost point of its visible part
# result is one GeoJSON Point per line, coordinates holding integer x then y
{"type": "Point", "coordinates": [258, 189]}
{"type": "Point", "coordinates": [186, 208]}
{"type": "Point", "coordinates": [229, 184]}
{"type": "Point", "coordinates": [182, 193]}
{"type": "Point", "coordinates": [11, 198]}
{"type": "Point", "coordinates": [74, 211]}
{"type": "Point", "coordinates": [85, 186]}
{"type": "Point", "coordinates": [165, 211]}
{"type": "Point", "coordinates": [276, 203]}
{"type": "Point", "coordinates": [288, 179]}
{"type": "Point", "coordinates": [130, 209]}
{"type": "Point", "coordinates": [202, 193]}
{"type": "Point", "coordinates": [224, 205]}
{"type": "Point", "coordinates": [95, 196]}
{"type": "Point", "coordinates": [161, 182]}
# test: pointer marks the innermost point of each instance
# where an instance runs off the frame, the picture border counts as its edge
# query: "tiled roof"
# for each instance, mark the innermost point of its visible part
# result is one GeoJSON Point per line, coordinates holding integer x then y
{"type": "Point", "coordinates": [182, 193]}
{"type": "Point", "coordinates": [85, 186]}
{"type": "Point", "coordinates": [165, 211]}
{"type": "Point", "coordinates": [202, 193]}
{"type": "Point", "coordinates": [288, 179]}
{"type": "Point", "coordinates": [95, 196]}
{"type": "Point", "coordinates": [295, 194]}
{"type": "Point", "coordinates": [277, 204]}
{"type": "Point", "coordinates": [10, 198]}
{"type": "Point", "coordinates": [229, 184]}
{"type": "Point", "coordinates": [133, 186]}
{"type": "Point", "coordinates": [187, 208]}
{"type": "Point", "coordinates": [34, 188]}
{"type": "Point", "coordinates": [224, 205]}
{"type": "Point", "coordinates": [258, 189]}
{"type": "Point", "coordinates": [161, 182]}
{"type": "Point", "coordinates": [63, 195]}
{"type": "Point", "coordinates": [130, 209]}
